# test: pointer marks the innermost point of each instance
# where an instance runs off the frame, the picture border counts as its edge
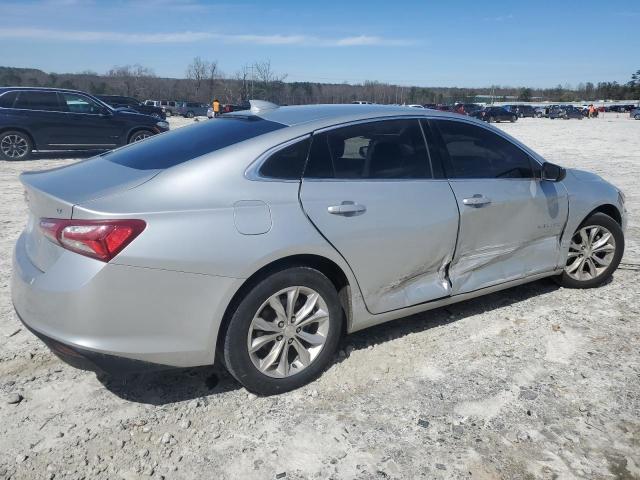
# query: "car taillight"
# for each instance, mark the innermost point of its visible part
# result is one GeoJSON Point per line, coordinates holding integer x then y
{"type": "Point", "coordinates": [99, 239]}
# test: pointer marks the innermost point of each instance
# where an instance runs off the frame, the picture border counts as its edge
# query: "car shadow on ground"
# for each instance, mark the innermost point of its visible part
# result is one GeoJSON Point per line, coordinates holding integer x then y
{"type": "Point", "coordinates": [177, 385]}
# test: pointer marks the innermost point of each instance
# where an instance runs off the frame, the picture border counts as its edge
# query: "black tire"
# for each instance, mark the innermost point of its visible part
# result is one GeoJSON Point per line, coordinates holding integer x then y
{"type": "Point", "coordinates": [168, 113]}
{"type": "Point", "coordinates": [513, 119]}
{"type": "Point", "coordinates": [602, 220]}
{"type": "Point", "coordinates": [140, 135]}
{"type": "Point", "coordinates": [15, 146]}
{"type": "Point", "coordinates": [235, 349]}
{"type": "Point", "coordinates": [637, 117]}
{"type": "Point", "coordinates": [491, 120]}
{"type": "Point", "coordinates": [190, 114]}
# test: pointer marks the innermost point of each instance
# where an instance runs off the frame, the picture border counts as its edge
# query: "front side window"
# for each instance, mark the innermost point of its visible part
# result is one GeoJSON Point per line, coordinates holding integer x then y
{"type": "Point", "coordinates": [34, 100]}
{"type": "Point", "coordinates": [80, 104]}
{"type": "Point", "coordinates": [476, 152]}
{"type": "Point", "coordinates": [288, 163]}
{"type": "Point", "coordinates": [391, 149]}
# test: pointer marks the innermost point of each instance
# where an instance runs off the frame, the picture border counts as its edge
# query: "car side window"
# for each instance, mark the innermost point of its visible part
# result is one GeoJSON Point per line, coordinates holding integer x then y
{"type": "Point", "coordinates": [8, 99]}
{"type": "Point", "coordinates": [390, 149]}
{"type": "Point", "coordinates": [287, 163]}
{"type": "Point", "coordinates": [476, 152]}
{"type": "Point", "coordinates": [47, 101]}
{"type": "Point", "coordinates": [80, 104]}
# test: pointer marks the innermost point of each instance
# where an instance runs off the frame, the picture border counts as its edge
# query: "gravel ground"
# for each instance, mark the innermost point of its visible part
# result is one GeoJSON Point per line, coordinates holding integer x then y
{"type": "Point", "coordinates": [536, 382]}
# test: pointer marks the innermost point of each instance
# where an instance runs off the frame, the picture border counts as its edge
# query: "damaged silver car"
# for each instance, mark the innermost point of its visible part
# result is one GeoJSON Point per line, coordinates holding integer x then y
{"type": "Point", "coordinates": [263, 236]}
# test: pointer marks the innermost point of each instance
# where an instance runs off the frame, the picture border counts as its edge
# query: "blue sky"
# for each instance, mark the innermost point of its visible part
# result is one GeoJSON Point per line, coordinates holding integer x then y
{"type": "Point", "coordinates": [428, 43]}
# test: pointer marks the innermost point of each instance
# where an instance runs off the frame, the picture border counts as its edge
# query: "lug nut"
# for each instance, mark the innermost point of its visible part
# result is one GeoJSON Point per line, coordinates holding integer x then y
{"type": "Point", "coordinates": [279, 337]}
{"type": "Point", "coordinates": [291, 340]}
{"type": "Point", "coordinates": [280, 324]}
{"type": "Point", "coordinates": [298, 330]}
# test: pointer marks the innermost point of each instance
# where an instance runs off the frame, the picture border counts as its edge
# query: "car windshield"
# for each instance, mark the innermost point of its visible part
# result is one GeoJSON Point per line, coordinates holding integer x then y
{"type": "Point", "coordinates": [187, 143]}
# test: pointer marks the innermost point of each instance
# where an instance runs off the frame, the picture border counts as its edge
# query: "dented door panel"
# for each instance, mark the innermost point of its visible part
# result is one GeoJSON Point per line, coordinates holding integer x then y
{"type": "Point", "coordinates": [399, 246]}
{"type": "Point", "coordinates": [515, 235]}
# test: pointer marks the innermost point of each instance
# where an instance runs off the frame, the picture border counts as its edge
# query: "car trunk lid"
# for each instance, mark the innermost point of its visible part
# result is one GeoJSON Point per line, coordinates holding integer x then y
{"type": "Point", "coordinates": [54, 193]}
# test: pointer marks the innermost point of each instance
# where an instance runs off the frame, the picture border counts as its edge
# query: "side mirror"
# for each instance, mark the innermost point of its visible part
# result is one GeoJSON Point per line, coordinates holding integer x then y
{"type": "Point", "coordinates": [553, 172]}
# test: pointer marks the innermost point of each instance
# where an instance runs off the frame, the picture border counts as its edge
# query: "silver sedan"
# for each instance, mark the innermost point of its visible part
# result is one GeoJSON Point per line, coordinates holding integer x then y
{"type": "Point", "coordinates": [264, 235]}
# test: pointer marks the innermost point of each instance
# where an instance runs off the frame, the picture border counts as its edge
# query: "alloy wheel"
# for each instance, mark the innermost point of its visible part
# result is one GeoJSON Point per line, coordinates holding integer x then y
{"type": "Point", "coordinates": [140, 136]}
{"type": "Point", "coordinates": [591, 252]}
{"type": "Point", "coordinates": [288, 331]}
{"type": "Point", "coordinates": [14, 146]}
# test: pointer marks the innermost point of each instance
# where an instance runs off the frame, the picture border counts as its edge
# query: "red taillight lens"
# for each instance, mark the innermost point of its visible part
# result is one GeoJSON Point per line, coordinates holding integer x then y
{"type": "Point", "coordinates": [99, 239]}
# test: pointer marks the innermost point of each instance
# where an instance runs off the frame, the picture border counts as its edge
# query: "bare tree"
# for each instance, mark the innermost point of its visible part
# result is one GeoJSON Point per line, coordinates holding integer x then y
{"type": "Point", "coordinates": [197, 72]}
{"type": "Point", "coordinates": [135, 78]}
{"type": "Point", "coordinates": [243, 77]}
{"type": "Point", "coordinates": [212, 77]}
{"type": "Point", "coordinates": [269, 84]}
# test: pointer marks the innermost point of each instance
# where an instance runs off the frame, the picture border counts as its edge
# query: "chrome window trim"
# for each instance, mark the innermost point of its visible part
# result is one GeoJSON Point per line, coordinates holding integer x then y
{"type": "Point", "coordinates": [100, 102]}
{"type": "Point", "coordinates": [252, 172]}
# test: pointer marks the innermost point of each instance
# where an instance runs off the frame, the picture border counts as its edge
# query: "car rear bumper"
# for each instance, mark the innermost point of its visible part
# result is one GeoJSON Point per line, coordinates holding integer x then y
{"type": "Point", "coordinates": [109, 313]}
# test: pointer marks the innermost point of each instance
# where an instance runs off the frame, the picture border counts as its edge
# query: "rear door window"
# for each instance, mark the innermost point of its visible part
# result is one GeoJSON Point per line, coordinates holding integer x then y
{"type": "Point", "coordinates": [34, 100]}
{"type": "Point", "coordinates": [187, 143]}
{"type": "Point", "coordinates": [8, 99]}
{"type": "Point", "coordinates": [391, 149]}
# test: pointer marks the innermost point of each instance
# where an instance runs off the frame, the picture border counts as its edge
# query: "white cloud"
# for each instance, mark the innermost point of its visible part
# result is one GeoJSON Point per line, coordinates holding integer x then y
{"type": "Point", "coordinates": [190, 37]}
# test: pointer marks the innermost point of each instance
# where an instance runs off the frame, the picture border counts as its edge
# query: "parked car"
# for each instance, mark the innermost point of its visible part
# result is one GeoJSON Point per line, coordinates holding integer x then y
{"type": "Point", "coordinates": [521, 111]}
{"type": "Point", "coordinates": [168, 106]}
{"type": "Point", "coordinates": [58, 119]}
{"type": "Point", "coordinates": [262, 238]}
{"type": "Point", "coordinates": [192, 109]}
{"type": "Point", "coordinates": [566, 112]}
{"type": "Point", "coordinates": [467, 108]}
{"type": "Point", "coordinates": [130, 103]}
{"type": "Point", "coordinates": [635, 113]}
{"type": "Point", "coordinates": [495, 114]}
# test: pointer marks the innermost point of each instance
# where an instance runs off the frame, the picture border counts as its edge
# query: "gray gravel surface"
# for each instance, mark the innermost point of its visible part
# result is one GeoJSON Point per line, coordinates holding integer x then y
{"type": "Point", "coordinates": [536, 382]}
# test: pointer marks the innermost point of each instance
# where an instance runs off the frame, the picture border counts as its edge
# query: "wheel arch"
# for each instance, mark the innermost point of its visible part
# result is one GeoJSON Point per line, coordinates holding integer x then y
{"type": "Point", "coordinates": [329, 268]}
{"type": "Point", "coordinates": [139, 128]}
{"type": "Point", "coordinates": [608, 209]}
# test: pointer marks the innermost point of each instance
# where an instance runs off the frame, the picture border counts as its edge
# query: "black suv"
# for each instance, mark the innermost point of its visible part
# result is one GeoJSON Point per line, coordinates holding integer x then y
{"type": "Point", "coordinates": [495, 114]}
{"type": "Point", "coordinates": [130, 103]}
{"type": "Point", "coordinates": [56, 119]}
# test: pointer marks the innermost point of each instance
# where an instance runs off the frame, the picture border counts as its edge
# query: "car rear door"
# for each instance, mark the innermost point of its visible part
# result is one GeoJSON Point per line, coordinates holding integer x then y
{"type": "Point", "coordinates": [510, 220]}
{"type": "Point", "coordinates": [370, 190]}
{"type": "Point", "coordinates": [40, 113]}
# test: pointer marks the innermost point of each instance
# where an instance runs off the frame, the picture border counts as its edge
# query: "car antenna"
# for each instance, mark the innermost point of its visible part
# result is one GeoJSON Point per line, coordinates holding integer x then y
{"type": "Point", "coordinates": [259, 106]}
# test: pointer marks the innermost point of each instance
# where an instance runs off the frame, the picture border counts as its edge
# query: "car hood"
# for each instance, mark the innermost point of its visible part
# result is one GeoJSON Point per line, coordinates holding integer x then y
{"type": "Point", "coordinates": [585, 176]}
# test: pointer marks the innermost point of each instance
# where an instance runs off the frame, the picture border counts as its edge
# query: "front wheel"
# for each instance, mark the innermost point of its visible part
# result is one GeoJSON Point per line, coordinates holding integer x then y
{"type": "Point", "coordinates": [637, 117]}
{"type": "Point", "coordinates": [491, 120]}
{"type": "Point", "coordinates": [514, 118]}
{"type": "Point", "coordinates": [190, 114]}
{"type": "Point", "coordinates": [284, 332]}
{"type": "Point", "coordinates": [15, 145]}
{"type": "Point", "coordinates": [594, 254]}
{"type": "Point", "coordinates": [140, 135]}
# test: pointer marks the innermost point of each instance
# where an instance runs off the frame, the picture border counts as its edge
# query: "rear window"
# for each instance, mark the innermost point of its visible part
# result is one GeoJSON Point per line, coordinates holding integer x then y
{"type": "Point", "coordinates": [7, 100]}
{"type": "Point", "coordinates": [187, 143]}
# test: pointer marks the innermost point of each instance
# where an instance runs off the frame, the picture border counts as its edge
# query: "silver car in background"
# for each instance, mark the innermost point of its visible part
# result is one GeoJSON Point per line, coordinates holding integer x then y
{"type": "Point", "coordinates": [262, 236]}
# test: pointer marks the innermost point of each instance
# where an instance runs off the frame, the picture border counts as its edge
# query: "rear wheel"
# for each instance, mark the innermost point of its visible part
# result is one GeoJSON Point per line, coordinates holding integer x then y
{"type": "Point", "coordinates": [284, 332]}
{"type": "Point", "coordinates": [491, 119]}
{"type": "Point", "coordinates": [594, 254]}
{"type": "Point", "coordinates": [513, 118]}
{"type": "Point", "coordinates": [168, 113]}
{"type": "Point", "coordinates": [190, 114]}
{"type": "Point", "coordinates": [15, 145]}
{"type": "Point", "coordinates": [140, 135]}
{"type": "Point", "coordinates": [637, 116]}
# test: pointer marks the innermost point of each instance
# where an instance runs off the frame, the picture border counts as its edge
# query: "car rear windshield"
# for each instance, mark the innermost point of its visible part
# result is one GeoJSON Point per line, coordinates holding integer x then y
{"type": "Point", "coordinates": [187, 143]}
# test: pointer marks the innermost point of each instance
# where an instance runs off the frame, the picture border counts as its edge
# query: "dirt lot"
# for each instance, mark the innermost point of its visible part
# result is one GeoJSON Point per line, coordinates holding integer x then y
{"type": "Point", "coordinates": [534, 382]}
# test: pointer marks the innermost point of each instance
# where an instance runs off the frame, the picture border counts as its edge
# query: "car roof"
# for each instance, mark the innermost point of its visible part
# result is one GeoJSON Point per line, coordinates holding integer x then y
{"type": "Point", "coordinates": [332, 114]}
{"type": "Point", "coordinates": [41, 89]}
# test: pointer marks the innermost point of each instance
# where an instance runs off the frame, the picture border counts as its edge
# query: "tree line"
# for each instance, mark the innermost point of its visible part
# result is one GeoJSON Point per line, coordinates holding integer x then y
{"type": "Point", "coordinates": [204, 81]}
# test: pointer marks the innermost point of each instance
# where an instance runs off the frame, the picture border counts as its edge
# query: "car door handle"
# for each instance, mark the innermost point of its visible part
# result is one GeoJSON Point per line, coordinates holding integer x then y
{"type": "Point", "coordinates": [347, 208]}
{"type": "Point", "coordinates": [477, 200]}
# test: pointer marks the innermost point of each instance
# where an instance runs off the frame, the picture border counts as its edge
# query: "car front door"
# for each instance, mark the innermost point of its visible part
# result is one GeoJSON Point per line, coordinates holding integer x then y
{"type": "Point", "coordinates": [510, 221]}
{"type": "Point", "coordinates": [89, 124]}
{"type": "Point", "coordinates": [369, 190]}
